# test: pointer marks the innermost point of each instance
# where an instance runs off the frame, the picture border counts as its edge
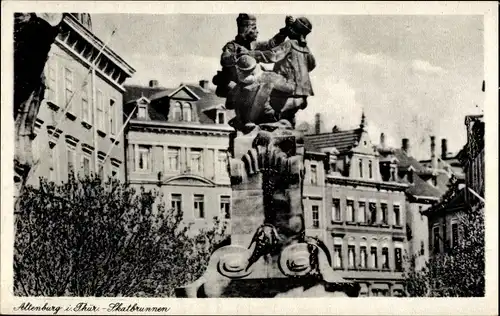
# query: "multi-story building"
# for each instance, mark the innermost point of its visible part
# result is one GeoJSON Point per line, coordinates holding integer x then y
{"type": "Point", "coordinates": [422, 193]}
{"type": "Point", "coordinates": [443, 217]}
{"type": "Point", "coordinates": [79, 122]}
{"type": "Point", "coordinates": [177, 141]}
{"type": "Point", "coordinates": [355, 202]}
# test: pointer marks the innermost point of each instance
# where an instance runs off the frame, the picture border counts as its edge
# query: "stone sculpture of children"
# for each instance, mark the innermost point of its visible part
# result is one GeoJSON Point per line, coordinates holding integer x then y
{"type": "Point", "coordinates": [293, 60]}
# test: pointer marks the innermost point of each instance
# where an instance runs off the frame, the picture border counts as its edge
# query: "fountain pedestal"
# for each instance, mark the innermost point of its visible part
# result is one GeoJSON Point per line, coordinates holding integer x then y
{"type": "Point", "coordinates": [270, 254]}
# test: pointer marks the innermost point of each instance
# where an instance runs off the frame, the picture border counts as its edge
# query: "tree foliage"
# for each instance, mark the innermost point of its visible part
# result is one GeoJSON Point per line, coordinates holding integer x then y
{"type": "Point", "coordinates": [459, 271]}
{"type": "Point", "coordinates": [90, 238]}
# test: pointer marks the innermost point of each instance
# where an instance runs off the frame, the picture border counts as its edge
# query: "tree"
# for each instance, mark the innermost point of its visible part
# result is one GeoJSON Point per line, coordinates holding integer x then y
{"type": "Point", "coordinates": [459, 272]}
{"type": "Point", "coordinates": [89, 238]}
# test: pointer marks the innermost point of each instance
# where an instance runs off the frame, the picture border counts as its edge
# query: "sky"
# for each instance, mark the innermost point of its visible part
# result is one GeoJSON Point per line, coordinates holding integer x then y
{"type": "Point", "coordinates": [413, 75]}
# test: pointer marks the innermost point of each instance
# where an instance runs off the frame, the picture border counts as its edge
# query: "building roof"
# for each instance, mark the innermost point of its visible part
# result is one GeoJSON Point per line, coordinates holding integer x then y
{"type": "Point", "coordinates": [423, 189]}
{"type": "Point", "coordinates": [134, 92]}
{"type": "Point", "coordinates": [343, 140]}
{"type": "Point", "coordinates": [207, 100]}
{"type": "Point", "coordinates": [406, 161]}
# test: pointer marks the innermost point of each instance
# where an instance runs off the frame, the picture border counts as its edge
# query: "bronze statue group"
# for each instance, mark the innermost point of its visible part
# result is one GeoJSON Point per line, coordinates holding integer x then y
{"type": "Point", "coordinates": [259, 96]}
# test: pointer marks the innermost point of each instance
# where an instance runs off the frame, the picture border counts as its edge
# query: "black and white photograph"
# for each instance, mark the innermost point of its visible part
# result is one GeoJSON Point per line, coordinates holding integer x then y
{"type": "Point", "coordinates": [249, 150]}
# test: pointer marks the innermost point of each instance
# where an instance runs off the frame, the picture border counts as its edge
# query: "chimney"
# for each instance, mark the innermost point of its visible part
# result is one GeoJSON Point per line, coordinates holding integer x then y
{"type": "Point", "coordinates": [433, 153]}
{"type": "Point", "coordinates": [204, 84]}
{"type": "Point", "coordinates": [153, 83]}
{"type": "Point", "coordinates": [382, 140]}
{"type": "Point", "coordinates": [405, 146]}
{"type": "Point", "coordinates": [317, 124]}
{"type": "Point", "coordinates": [444, 148]}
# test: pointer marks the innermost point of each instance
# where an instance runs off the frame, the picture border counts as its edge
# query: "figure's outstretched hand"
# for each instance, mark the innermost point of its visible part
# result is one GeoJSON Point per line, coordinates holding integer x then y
{"type": "Point", "coordinates": [289, 20]}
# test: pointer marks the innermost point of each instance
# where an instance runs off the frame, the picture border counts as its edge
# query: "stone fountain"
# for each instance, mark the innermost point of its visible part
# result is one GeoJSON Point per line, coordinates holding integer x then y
{"type": "Point", "coordinates": [270, 254]}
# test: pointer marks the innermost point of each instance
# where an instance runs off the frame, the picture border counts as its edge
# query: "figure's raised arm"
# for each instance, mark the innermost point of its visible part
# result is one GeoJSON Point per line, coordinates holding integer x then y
{"type": "Point", "coordinates": [273, 55]}
{"type": "Point", "coordinates": [277, 39]}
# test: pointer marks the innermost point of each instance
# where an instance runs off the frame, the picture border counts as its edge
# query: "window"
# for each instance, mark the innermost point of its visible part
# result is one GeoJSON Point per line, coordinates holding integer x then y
{"type": "Point", "coordinates": [221, 117]}
{"type": "Point", "coordinates": [385, 258]}
{"type": "Point", "coordinates": [350, 211]}
{"type": "Point", "coordinates": [86, 165]}
{"type": "Point", "coordinates": [100, 110]}
{"type": "Point", "coordinates": [112, 117]}
{"type": "Point", "coordinates": [68, 86]}
{"type": "Point", "coordinates": [187, 112]}
{"type": "Point", "coordinates": [225, 206]}
{"type": "Point", "coordinates": [314, 175]}
{"type": "Point", "coordinates": [199, 209]}
{"type": "Point", "coordinates": [454, 234]}
{"type": "Point", "coordinates": [373, 212]}
{"type": "Point", "coordinates": [54, 162]}
{"type": "Point", "coordinates": [143, 158]}
{"type": "Point", "coordinates": [393, 174]}
{"type": "Point", "coordinates": [336, 210]}
{"type": "Point", "coordinates": [315, 216]}
{"type": "Point", "coordinates": [222, 162]}
{"type": "Point", "coordinates": [383, 207]}
{"type": "Point", "coordinates": [361, 168]}
{"type": "Point", "coordinates": [435, 239]}
{"type": "Point", "coordinates": [420, 209]}
{"type": "Point", "coordinates": [397, 215]}
{"type": "Point", "coordinates": [71, 158]}
{"type": "Point", "coordinates": [434, 181]}
{"type": "Point", "coordinates": [51, 81]}
{"type": "Point", "coordinates": [362, 212]}
{"type": "Point", "coordinates": [86, 110]}
{"type": "Point", "coordinates": [337, 256]}
{"type": "Point", "coordinates": [422, 248]}
{"type": "Point", "coordinates": [100, 173]}
{"type": "Point", "coordinates": [196, 161]}
{"type": "Point", "coordinates": [410, 176]}
{"type": "Point", "coordinates": [370, 169]}
{"type": "Point", "coordinates": [141, 111]}
{"type": "Point", "coordinates": [363, 256]}
{"type": "Point", "coordinates": [176, 202]}
{"type": "Point", "coordinates": [177, 111]}
{"type": "Point", "coordinates": [399, 259]}
{"type": "Point", "coordinates": [351, 257]}
{"type": "Point", "coordinates": [373, 257]}
{"type": "Point", "coordinates": [173, 154]}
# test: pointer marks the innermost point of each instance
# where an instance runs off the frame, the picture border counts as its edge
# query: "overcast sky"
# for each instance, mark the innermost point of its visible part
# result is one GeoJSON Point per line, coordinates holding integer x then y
{"type": "Point", "coordinates": [414, 76]}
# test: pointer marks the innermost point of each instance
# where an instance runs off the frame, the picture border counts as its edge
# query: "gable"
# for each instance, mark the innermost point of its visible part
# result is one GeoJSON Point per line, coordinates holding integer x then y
{"type": "Point", "coordinates": [184, 93]}
{"type": "Point", "coordinates": [365, 146]}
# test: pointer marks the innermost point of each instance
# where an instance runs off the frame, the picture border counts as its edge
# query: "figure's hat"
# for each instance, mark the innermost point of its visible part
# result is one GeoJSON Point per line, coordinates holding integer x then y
{"type": "Point", "coordinates": [246, 63]}
{"type": "Point", "coordinates": [302, 26]}
{"type": "Point", "coordinates": [245, 19]}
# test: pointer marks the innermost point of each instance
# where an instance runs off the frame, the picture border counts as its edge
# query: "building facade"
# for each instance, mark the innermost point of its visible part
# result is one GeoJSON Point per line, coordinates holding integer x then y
{"type": "Point", "coordinates": [462, 196]}
{"type": "Point", "coordinates": [177, 141]}
{"type": "Point", "coordinates": [355, 203]}
{"type": "Point", "coordinates": [78, 126]}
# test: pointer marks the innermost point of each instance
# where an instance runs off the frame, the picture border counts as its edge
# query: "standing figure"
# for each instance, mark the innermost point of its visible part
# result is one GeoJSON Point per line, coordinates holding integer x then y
{"type": "Point", "coordinates": [293, 60]}
{"type": "Point", "coordinates": [244, 42]}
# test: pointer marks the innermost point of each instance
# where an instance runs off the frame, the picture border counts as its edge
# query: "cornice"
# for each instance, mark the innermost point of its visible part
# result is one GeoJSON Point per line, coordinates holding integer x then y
{"type": "Point", "coordinates": [178, 129]}
{"type": "Point", "coordinates": [393, 186]}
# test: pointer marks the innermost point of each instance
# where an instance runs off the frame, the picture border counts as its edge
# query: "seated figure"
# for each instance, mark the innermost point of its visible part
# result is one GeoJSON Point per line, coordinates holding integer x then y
{"type": "Point", "coordinates": [250, 98]}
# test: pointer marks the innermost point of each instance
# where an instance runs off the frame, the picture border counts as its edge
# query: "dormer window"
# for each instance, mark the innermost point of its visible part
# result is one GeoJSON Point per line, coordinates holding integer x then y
{"type": "Point", "coordinates": [393, 174]}
{"type": "Point", "coordinates": [221, 117]}
{"type": "Point", "coordinates": [187, 110]}
{"type": "Point", "coordinates": [141, 111]}
{"type": "Point", "coordinates": [410, 176]}
{"type": "Point", "coordinates": [434, 181]}
{"type": "Point", "coordinates": [177, 111]}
